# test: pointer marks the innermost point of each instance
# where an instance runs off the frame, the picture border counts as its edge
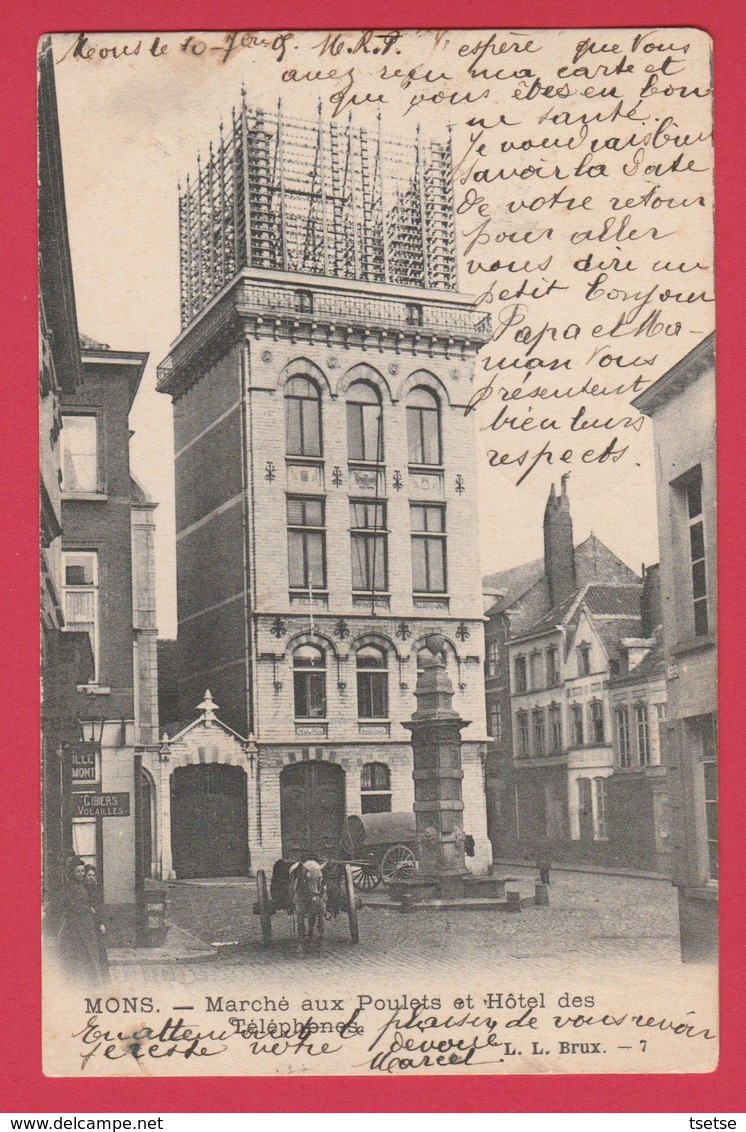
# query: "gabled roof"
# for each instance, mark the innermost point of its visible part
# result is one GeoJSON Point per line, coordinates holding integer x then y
{"type": "Point", "coordinates": [560, 615]}
{"type": "Point", "coordinates": [185, 728]}
{"type": "Point", "coordinates": [594, 562]}
{"type": "Point", "coordinates": [615, 611]}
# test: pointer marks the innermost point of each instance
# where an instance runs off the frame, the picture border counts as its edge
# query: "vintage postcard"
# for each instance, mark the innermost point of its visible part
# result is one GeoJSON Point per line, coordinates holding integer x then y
{"type": "Point", "coordinates": [377, 426]}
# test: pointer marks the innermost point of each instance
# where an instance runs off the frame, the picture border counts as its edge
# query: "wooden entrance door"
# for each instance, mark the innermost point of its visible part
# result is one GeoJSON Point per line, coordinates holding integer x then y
{"type": "Point", "coordinates": [312, 809]}
{"type": "Point", "coordinates": [585, 808]}
{"type": "Point", "coordinates": [209, 822]}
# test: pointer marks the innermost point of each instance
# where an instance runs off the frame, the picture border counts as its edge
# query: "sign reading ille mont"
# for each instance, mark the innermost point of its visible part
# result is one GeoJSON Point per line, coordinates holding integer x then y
{"type": "Point", "coordinates": [85, 766]}
{"type": "Point", "coordinates": [102, 806]}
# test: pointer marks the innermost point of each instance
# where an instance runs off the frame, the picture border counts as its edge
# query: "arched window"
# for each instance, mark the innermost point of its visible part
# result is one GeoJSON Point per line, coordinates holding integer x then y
{"type": "Point", "coordinates": [375, 789]}
{"type": "Point", "coordinates": [372, 683]}
{"type": "Point", "coordinates": [364, 423]}
{"type": "Point", "coordinates": [309, 682]}
{"type": "Point", "coordinates": [423, 427]}
{"type": "Point", "coordinates": [303, 404]}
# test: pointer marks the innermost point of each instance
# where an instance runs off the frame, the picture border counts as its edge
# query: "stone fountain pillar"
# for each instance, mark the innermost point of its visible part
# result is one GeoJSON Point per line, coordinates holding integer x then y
{"type": "Point", "coordinates": [438, 804]}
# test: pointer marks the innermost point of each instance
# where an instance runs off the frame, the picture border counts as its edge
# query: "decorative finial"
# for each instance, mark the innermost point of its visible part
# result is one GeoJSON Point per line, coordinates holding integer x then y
{"type": "Point", "coordinates": [208, 706]}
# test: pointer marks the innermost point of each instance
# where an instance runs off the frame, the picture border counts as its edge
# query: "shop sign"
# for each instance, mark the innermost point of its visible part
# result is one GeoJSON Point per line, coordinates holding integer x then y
{"type": "Point", "coordinates": [101, 806]}
{"type": "Point", "coordinates": [86, 763]}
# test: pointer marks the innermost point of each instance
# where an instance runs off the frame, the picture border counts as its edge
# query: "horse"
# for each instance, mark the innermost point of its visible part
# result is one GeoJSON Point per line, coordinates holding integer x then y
{"type": "Point", "coordinates": [309, 899]}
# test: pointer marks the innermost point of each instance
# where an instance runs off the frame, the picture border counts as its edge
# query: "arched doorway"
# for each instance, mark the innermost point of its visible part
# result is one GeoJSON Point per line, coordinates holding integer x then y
{"type": "Point", "coordinates": [147, 824]}
{"type": "Point", "coordinates": [312, 808]}
{"type": "Point", "coordinates": [209, 821]}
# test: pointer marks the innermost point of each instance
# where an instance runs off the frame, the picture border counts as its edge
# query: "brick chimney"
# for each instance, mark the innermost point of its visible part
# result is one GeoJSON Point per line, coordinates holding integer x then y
{"type": "Point", "coordinates": [559, 554]}
{"type": "Point", "coordinates": [651, 607]}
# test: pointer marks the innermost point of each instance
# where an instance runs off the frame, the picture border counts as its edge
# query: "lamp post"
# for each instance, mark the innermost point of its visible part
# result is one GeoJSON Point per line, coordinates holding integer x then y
{"type": "Point", "coordinates": [252, 757]}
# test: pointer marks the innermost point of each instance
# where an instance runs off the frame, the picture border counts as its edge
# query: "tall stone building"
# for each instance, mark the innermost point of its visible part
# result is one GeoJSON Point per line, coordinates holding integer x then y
{"type": "Point", "coordinates": [66, 657]}
{"type": "Point", "coordinates": [681, 405]}
{"type": "Point", "coordinates": [326, 500]}
{"type": "Point", "coordinates": [98, 634]}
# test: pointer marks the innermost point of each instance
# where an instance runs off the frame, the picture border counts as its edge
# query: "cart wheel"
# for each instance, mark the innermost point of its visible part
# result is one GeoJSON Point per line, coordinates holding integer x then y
{"type": "Point", "coordinates": [365, 877]}
{"type": "Point", "coordinates": [351, 904]}
{"type": "Point", "coordinates": [265, 916]}
{"type": "Point", "coordinates": [397, 862]}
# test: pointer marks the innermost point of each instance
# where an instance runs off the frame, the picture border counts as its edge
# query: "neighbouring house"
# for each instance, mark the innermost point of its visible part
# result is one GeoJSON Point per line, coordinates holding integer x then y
{"type": "Point", "coordinates": [565, 635]}
{"type": "Point", "coordinates": [681, 405]}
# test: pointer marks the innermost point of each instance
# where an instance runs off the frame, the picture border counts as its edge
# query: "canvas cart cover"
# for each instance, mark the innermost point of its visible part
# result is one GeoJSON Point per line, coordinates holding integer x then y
{"type": "Point", "coordinates": [371, 830]}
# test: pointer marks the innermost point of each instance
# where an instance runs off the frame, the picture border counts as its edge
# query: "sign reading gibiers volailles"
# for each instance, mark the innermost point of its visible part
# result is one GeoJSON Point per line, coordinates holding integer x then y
{"type": "Point", "coordinates": [102, 806]}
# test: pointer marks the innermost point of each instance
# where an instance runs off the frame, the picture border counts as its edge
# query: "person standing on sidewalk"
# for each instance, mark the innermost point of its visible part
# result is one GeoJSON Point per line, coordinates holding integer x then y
{"type": "Point", "coordinates": [78, 939]}
{"type": "Point", "coordinates": [90, 880]}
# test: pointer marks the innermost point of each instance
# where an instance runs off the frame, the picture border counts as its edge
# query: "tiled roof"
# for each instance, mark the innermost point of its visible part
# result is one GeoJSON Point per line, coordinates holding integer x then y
{"type": "Point", "coordinates": [513, 583]}
{"type": "Point", "coordinates": [615, 601]}
{"type": "Point", "coordinates": [556, 616]}
{"type": "Point", "coordinates": [622, 603]}
{"type": "Point", "coordinates": [595, 564]}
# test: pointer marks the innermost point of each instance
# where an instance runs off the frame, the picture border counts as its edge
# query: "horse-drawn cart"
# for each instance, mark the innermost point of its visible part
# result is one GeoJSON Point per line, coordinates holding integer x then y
{"type": "Point", "coordinates": [339, 897]}
{"type": "Point", "coordinates": [379, 847]}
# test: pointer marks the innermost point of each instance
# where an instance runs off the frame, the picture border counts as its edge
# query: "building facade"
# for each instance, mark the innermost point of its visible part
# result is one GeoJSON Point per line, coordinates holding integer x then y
{"type": "Point", "coordinates": [681, 405]}
{"type": "Point", "coordinates": [66, 658]}
{"type": "Point", "coordinates": [108, 597]}
{"type": "Point", "coordinates": [325, 472]}
{"type": "Point", "coordinates": [638, 789]}
{"type": "Point", "coordinates": [565, 630]}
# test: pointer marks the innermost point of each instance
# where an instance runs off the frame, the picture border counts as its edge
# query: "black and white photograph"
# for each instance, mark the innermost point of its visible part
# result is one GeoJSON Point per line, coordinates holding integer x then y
{"type": "Point", "coordinates": [378, 552]}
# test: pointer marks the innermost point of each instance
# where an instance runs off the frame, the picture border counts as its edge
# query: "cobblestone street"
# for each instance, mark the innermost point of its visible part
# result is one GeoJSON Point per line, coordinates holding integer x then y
{"type": "Point", "coordinates": [606, 947]}
{"type": "Point", "coordinates": [593, 921]}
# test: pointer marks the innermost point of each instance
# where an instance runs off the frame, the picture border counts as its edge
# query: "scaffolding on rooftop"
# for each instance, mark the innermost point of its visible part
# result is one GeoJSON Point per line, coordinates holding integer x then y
{"type": "Point", "coordinates": [317, 198]}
